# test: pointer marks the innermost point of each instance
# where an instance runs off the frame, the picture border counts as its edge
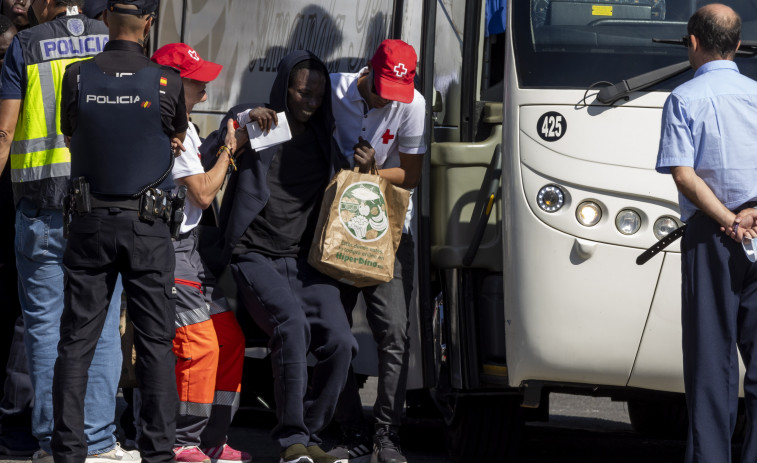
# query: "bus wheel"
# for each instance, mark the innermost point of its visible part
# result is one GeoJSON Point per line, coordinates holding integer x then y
{"type": "Point", "coordinates": [664, 418]}
{"type": "Point", "coordinates": [484, 428]}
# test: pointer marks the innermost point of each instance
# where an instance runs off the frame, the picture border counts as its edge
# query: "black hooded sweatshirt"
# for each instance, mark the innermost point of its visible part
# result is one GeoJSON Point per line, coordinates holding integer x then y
{"type": "Point", "coordinates": [276, 216]}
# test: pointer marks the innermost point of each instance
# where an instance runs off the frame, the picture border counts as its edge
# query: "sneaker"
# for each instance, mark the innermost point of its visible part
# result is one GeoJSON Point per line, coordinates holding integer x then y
{"type": "Point", "coordinates": [295, 453]}
{"type": "Point", "coordinates": [319, 456]}
{"type": "Point", "coordinates": [225, 454]}
{"type": "Point", "coordinates": [386, 447]}
{"type": "Point", "coordinates": [40, 456]}
{"type": "Point", "coordinates": [355, 447]}
{"type": "Point", "coordinates": [115, 454]}
{"type": "Point", "coordinates": [189, 454]}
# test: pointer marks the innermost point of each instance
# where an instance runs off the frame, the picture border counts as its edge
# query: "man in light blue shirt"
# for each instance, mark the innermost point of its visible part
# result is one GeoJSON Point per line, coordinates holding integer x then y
{"type": "Point", "coordinates": [709, 145]}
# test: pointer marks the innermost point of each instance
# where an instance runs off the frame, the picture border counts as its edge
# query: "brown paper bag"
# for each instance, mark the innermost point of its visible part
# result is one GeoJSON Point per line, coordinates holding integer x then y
{"type": "Point", "coordinates": [359, 229]}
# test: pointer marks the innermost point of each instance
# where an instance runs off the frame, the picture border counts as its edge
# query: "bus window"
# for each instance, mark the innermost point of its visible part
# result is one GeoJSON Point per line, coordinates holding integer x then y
{"type": "Point", "coordinates": [577, 44]}
{"type": "Point", "coordinates": [448, 61]}
{"type": "Point", "coordinates": [494, 51]}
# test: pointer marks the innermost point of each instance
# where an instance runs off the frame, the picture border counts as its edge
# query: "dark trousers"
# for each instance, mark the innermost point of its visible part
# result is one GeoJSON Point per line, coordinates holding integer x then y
{"type": "Point", "coordinates": [18, 396]}
{"type": "Point", "coordinates": [101, 245]}
{"type": "Point", "coordinates": [387, 310]}
{"type": "Point", "coordinates": [719, 315]}
{"type": "Point", "coordinates": [11, 308]}
{"type": "Point", "coordinates": [299, 308]}
{"type": "Point", "coordinates": [17, 390]}
{"type": "Point", "coordinates": [18, 399]}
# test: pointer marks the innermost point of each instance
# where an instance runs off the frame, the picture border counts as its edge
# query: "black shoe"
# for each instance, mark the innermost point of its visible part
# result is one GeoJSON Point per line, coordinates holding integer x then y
{"type": "Point", "coordinates": [386, 446]}
{"type": "Point", "coordinates": [354, 446]}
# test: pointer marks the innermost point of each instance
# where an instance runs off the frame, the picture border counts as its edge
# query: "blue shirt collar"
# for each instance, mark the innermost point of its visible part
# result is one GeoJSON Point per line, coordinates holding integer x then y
{"type": "Point", "coordinates": [716, 65]}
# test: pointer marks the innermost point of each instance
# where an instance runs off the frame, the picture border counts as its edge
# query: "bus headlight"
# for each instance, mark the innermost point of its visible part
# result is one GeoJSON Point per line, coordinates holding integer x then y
{"type": "Point", "coordinates": [588, 213]}
{"type": "Point", "coordinates": [663, 226]}
{"type": "Point", "coordinates": [628, 222]}
{"type": "Point", "coordinates": [550, 198]}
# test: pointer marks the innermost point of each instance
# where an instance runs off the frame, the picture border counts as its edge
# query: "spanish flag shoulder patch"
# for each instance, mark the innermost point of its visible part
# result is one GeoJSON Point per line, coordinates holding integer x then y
{"type": "Point", "coordinates": [163, 82]}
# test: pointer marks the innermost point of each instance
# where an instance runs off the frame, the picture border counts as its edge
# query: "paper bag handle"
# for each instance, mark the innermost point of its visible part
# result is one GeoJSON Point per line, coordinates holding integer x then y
{"type": "Point", "coordinates": [374, 169]}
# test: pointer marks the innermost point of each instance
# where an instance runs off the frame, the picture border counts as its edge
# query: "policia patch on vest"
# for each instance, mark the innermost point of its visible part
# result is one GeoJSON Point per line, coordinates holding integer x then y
{"type": "Point", "coordinates": [72, 47]}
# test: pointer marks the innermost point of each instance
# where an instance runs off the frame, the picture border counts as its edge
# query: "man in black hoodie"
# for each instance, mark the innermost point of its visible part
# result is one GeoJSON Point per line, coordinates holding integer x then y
{"type": "Point", "coordinates": [269, 216]}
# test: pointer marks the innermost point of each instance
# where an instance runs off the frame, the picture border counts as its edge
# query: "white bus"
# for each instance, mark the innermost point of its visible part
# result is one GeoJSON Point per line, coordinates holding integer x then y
{"type": "Point", "coordinates": [537, 196]}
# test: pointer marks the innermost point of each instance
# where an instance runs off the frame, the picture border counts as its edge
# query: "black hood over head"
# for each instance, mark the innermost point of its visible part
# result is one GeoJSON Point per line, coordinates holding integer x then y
{"type": "Point", "coordinates": [322, 120]}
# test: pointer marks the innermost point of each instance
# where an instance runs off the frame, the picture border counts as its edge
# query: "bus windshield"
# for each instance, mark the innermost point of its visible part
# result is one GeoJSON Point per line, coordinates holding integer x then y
{"type": "Point", "coordinates": [581, 43]}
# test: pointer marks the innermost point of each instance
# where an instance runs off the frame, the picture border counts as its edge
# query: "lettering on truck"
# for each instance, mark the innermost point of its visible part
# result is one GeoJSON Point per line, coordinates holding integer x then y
{"type": "Point", "coordinates": [72, 47]}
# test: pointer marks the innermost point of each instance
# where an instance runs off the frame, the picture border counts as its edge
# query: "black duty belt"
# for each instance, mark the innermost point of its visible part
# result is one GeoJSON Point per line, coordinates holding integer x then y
{"type": "Point", "coordinates": [127, 204]}
{"type": "Point", "coordinates": [660, 245]}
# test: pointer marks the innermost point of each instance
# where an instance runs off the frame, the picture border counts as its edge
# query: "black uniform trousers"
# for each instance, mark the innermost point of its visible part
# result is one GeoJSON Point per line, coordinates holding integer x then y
{"type": "Point", "coordinates": [101, 245]}
{"type": "Point", "coordinates": [719, 315]}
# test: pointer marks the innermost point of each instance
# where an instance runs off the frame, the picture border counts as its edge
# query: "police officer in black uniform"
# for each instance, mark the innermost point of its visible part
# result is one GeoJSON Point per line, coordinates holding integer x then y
{"type": "Point", "coordinates": [121, 121]}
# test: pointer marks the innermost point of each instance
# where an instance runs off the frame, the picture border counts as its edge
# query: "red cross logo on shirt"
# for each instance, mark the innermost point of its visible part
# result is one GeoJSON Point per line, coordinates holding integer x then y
{"type": "Point", "coordinates": [387, 136]}
{"type": "Point", "coordinates": [400, 70]}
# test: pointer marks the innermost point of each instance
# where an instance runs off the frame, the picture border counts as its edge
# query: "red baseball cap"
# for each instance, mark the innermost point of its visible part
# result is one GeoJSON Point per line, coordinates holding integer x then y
{"type": "Point", "coordinates": [394, 70]}
{"type": "Point", "coordinates": [184, 58]}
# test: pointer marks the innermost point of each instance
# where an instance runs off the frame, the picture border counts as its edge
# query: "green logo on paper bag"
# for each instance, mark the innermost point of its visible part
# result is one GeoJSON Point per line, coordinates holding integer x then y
{"type": "Point", "coordinates": [362, 210]}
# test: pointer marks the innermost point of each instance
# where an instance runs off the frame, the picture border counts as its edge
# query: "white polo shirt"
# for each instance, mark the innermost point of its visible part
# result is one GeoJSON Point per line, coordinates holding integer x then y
{"type": "Point", "coordinates": [397, 127]}
{"type": "Point", "coordinates": [184, 166]}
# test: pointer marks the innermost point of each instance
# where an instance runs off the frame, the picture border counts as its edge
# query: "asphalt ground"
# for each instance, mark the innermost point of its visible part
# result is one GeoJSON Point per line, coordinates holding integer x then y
{"type": "Point", "coordinates": [580, 429]}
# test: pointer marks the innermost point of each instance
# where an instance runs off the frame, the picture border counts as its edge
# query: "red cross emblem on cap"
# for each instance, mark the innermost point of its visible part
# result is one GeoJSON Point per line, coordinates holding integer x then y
{"type": "Point", "coordinates": [400, 70]}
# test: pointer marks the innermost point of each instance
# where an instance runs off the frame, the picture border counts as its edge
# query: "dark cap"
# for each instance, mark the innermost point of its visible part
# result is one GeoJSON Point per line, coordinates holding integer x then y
{"type": "Point", "coordinates": [143, 6]}
{"type": "Point", "coordinates": [93, 8]}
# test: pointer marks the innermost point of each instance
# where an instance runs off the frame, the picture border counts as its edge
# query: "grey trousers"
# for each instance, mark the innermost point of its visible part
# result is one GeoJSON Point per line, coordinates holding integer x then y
{"type": "Point", "coordinates": [387, 310]}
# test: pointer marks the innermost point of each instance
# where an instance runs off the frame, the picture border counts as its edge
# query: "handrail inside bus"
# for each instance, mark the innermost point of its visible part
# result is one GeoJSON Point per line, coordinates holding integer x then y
{"type": "Point", "coordinates": [485, 204]}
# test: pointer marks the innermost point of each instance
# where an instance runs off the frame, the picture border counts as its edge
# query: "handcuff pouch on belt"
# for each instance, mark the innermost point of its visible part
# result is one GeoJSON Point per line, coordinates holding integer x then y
{"type": "Point", "coordinates": [158, 204]}
{"type": "Point", "coordinates": [155, 204]}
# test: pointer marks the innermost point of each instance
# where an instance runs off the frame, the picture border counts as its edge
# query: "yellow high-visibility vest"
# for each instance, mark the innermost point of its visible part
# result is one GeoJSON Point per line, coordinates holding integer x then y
{"type": "Point", "coordinates": [39, 160]}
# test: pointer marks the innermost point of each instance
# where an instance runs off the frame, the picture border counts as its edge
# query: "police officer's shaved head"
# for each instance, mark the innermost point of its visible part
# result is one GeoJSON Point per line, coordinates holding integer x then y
{"type": "Point", "coordinates": [127, 26]}
{"type": "Point", "coordinates": [718, 29]}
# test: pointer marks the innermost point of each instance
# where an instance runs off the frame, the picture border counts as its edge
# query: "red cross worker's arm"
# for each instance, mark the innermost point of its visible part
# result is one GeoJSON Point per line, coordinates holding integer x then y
{"type": "Point", "coordinates": [9, 110]}
{"type": "Point", "coordinates": [408, 174]}
{"type": "Point", "coordinates": [203, 188]}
